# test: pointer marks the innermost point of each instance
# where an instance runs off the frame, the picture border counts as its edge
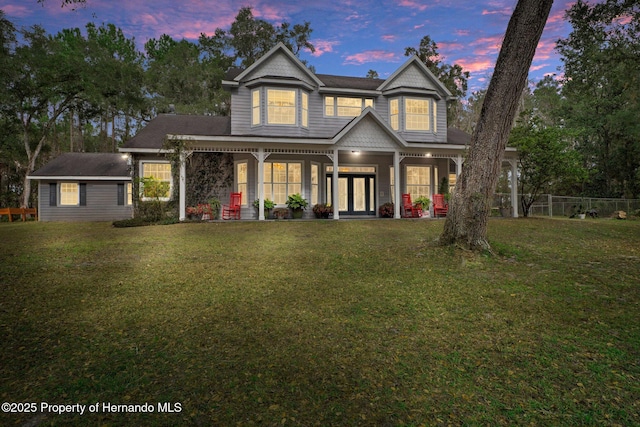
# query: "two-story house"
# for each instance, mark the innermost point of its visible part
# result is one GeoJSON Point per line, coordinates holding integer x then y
{"type": "Point", "coordinates": [354, 142]}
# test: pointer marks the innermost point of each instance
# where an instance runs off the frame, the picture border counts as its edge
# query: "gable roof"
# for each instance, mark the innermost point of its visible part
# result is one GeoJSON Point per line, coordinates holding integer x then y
{"type": "Point", "coordinates": [279, 48]}
{"type": "Point", "coordinates": [153, 135]}
{"type": "Point", "coordinates": [85, 165]}
{"type": "Point", "coordinates": [415, 61]}
{"type": "Point", "coordinates": [371, 116]}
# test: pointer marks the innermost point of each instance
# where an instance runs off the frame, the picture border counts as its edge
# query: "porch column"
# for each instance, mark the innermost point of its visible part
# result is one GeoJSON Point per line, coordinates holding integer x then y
{"type": "Point", "coordinates": [183, 187]}
{"type": "Point", "coordinates": [396, 180]}
{"type": "Point", "coordinates": [334, 183]}
{"type": "Point", "coordinates": [458, 161]}
{"type": "Point", "coordinates": [514, 187]}
{"type": "Point", "coordinates": [261, 183]}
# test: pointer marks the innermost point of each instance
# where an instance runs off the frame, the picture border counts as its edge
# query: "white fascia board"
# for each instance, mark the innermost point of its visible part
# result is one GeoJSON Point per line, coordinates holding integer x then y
{"type": "Point", "coordinates": [145, 150]}
{"type": "Point", "coordinates": [79, 178]}
{"type": "Point", "coordinates": [352, 92]}
{"type": "Point", "coordinates": [248, 140]}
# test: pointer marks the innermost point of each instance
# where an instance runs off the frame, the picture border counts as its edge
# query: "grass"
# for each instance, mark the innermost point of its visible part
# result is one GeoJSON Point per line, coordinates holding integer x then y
{"type": "Point", "coordinates": [323, 323]}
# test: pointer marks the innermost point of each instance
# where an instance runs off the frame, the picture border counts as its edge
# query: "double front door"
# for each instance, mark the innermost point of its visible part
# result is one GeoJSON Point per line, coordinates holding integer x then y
{"type": "Point", "coordinates": [356, 194]}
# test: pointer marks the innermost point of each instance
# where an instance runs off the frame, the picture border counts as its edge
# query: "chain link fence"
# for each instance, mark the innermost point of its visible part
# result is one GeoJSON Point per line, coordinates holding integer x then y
{"type": "Point", "coordinates": [550, 205]}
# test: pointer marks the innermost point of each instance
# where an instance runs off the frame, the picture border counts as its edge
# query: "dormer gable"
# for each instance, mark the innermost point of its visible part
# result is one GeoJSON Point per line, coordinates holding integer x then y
{"type": "Point", "coordinates": [278, 66]}
{"type": "Point", "coordinates": [414, 76]}
{"type": "Point", "coordinates": [368, 131]}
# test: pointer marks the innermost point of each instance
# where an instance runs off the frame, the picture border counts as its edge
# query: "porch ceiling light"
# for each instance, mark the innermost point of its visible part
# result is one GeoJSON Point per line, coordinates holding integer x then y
{"type": "Point", "coordinates": [355, 153]}
{"type": "Point", "coordinates": [428, 155]}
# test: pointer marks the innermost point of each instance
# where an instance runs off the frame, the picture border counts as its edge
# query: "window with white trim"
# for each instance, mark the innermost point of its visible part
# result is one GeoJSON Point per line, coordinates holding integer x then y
{"type": "Point", "coordinates": [129, 189]}
{"type": "Point", "coordinates": [161, 172]}
{"type": "Point", "coordinates": [315, 182]}
{"type": "Point", "coordinates": [281, 107]}
{"type": "Point", "coordinates": [394, 114]}
{"type": "Point", "coordinates": [392, 181]}
{"type": "Point", "coordinates": [69, 194]}
{"type": "Point", "coordinates": [255, 107]}
{"type": "Point", "coordinates": [345, 106]}
{"type": "Point", "coordinates": [418, 181]}
{"type": "Point", "coordinates": [416, 114]}
{"type": "Point", "coordinates": [305, 109]}
{"type": "Point", "coordinates": [242, 179]}
{"type": "Point", "coordinates": [281, 179]}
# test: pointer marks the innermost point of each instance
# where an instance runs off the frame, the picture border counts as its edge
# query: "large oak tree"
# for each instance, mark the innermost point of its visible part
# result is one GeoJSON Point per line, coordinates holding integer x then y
{"type": "Point", "coordinates": [466, 223]}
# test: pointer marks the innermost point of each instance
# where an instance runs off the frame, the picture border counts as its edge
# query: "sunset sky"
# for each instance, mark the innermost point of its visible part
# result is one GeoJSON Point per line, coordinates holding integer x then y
{"type": "Point", "coordinates": [351, 37]}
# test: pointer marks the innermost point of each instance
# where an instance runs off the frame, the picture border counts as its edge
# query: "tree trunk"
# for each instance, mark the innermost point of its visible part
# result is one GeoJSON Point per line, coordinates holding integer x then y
{"type": "Point", "coordinates": [470, 206]}
{"type": "Point", "coordinates": [31, 165]}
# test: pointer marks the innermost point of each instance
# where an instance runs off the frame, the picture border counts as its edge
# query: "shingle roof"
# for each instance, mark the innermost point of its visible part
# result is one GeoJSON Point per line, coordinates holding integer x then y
{"type": "Point", "coordinates": [363, 83]}
{"type": "Point", "coordinates": [154, 133]}
{"type": "Point", "coordinates": [85, 165]}
{"type": "Point", "coordinates": [458, 137]}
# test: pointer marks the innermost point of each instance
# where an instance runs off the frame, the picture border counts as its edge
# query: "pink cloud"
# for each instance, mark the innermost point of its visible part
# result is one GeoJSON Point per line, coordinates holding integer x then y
{"type": "Point", "coordinates": [323, 46]}
{"type": "Point", "coordinates": [413, 5]}
{"type": "Point", "coordinates": [270, 13]}
{"type": "Point", "coordinates": [545, 49]}
{"type": "Point", "coordinates": [538, 67]}
{"type": "Point", "coordinates": [389, 37]}
{"type": "Point", "coordinates": [474, 65]}
{"type": "Point", "coordinates": [623, 20]}
{"type": "Point", "coordinates": [370, 56]}
{"type": "Point", "coordinates": [462, 33]}
{"type": "Point", "coordinates": [505, 11]}
{"type": "Point", "coordinates": [487, 45]}
{"type": "Point", "coordinates": [15, 10]}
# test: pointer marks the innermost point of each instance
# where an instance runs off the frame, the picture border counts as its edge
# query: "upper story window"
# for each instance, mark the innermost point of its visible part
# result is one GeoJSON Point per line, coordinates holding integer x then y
{"type": "Point", "coordinates": [344, 106]}
{"type": "Point", "coordinates": [305, 109]}
{"type": "Point", "coordinates": [413, 114]}
{"type": "Point", "coordinates": [281, 107]}
{"type": "Point", "coordinates": [394, 114]}
{"type": "Point", "coordinates": [255, 107]}
{"type": "Point", "coordinates": [416, 114]}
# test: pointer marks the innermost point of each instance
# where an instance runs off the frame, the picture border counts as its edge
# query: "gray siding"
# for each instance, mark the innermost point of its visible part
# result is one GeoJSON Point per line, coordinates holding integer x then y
{"type": "Point", "coordinates": [101, 203]}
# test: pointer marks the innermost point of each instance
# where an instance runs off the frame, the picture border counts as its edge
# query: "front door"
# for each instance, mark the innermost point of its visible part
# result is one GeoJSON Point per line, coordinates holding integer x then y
{"type": "Point", "coordinates": [356, 194]}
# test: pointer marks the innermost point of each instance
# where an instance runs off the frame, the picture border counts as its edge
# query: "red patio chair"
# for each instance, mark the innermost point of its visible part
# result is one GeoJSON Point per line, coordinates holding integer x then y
{"type": "Point", "coordinates": [408, 210]}
{"type": "Point", "coordinates": [232, 210]}
{"type": "Point", "coordinates": [440, 207]}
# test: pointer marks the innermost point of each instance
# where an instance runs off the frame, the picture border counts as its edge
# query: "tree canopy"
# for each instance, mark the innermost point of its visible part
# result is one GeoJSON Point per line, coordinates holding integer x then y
{"type": "Point", "coordinates": [601, 59]}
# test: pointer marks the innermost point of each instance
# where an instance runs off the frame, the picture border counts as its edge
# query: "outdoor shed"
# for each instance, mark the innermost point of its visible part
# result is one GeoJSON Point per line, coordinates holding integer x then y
{"type": "Point", "coordinates": [84, 187]}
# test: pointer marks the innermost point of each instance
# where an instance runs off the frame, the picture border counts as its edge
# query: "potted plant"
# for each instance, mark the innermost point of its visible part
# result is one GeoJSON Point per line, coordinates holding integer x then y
{"type": "Point", "coordinates": [280, 213]}
{"type": "Point", "coordinates": [192, 212]}
{"type": "Point", "coordinates": [322, 210]}
{"type": "Point", "coordinates": [579, 211]}
{"type": "Point", "coordinates": [386, 210]}
{"type": "Point", "coordinates": [215, 205]}
{"type": "Point", "coordinates": [297, 204]}
{"type": "Point", "coordinates": [505, 207]}
{"type": "Point", "coordinates": [422, 205]}
{"type": "Point", "coordinates": [268, 206]}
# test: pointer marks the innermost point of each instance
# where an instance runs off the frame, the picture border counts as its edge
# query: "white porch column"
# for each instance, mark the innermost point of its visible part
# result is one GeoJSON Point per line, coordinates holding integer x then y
{"type": "Point", "coordinates": [261, 183]}
{"type": "Point", "coordinates": [396, 180]}
{"type": "Point", "coordinates": [514, 187]}
{"type": "Point", "coordinates": [459, 162]}
{"type": "Point", "coordinates": [334, 183]}
{"type": "Point", "coordinates": [183, 187]}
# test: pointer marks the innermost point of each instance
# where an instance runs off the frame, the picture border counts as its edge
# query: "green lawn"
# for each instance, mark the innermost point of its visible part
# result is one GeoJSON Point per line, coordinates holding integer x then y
{"type": "Point", "coordinates": [322, 323]}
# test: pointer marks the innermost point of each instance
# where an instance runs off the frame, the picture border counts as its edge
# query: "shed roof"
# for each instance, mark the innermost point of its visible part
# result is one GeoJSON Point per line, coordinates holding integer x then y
{"type": "Point", "coordinates": [94, 165]}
